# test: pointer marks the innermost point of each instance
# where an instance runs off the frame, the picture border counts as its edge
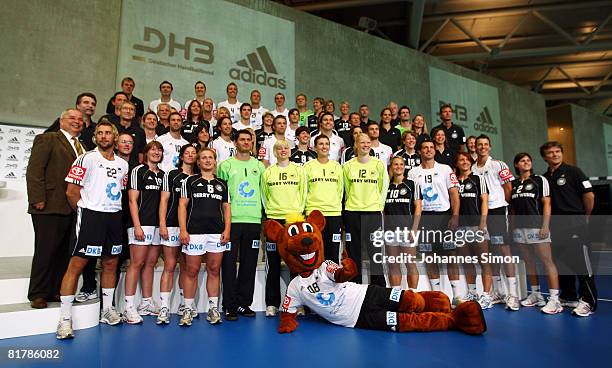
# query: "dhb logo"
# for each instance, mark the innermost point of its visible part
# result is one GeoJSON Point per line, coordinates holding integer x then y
{"type": "Point", "coordinates": [258, 68]}
{"type": "Point", "coordinates": [326, 299]}
{"type": "Point", "coordinates": [243, 190]}
{"type": "Point", "coordinates": [429, 195]}
{"type": "Point", "coordinates": [157, 44]}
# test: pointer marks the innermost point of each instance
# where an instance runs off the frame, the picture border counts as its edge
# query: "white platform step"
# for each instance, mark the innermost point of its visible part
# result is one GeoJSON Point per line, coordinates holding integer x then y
{"type": "Point", "coordinates": [21, 320]}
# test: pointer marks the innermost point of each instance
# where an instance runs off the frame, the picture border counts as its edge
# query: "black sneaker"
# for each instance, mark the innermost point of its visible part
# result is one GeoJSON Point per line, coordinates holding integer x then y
{"type": "Point", "coordinates": [246, 311]}
{"type": "Point", "coordinates": [231, 316]}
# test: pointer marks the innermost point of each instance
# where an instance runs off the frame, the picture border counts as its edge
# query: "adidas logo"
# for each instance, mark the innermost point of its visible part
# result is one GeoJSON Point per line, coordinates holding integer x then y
{"type": "Point", "coordinates": [12, 158]}
{"type": "Point", "coordinates": [484, 122]}
{"type": "Point", "coordinates": [200, 185]}
{"type": "Point", "coordinates": [29, 150]}
{"type": "Point", "coordinates": [14, 140]}
{"type": "Point", "coordinates": [31, 133]}
{"type": "Point", "coordinates": [10, 175]}
{"type": "Point", "coordinates": [259, 66]}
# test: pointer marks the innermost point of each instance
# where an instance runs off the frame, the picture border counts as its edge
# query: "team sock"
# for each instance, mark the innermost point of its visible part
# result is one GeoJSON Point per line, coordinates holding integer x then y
{"type": "Point", "coordinates": [164, 298]}
{"type": "Point", "coordinates": [472, 289]}
{"type": "Point", "coordinates": [129, 301]}
{"type": "Point", "coordinates": [435, 284]}
{"type": "Point", "coordinates": [189, 303]}
{"type": "Point", "coordinates": [512, 286]}
{"type": "Point", "coordinates": [554, 294]}
{"type": "Point", "coordinates": [455, 288]}
{"type": "Point", "coordinates": [66, 306]}
{"type": "Point", "coordinates": [107, 297]}
{"type": "Point", "coordinates": [213, 301]}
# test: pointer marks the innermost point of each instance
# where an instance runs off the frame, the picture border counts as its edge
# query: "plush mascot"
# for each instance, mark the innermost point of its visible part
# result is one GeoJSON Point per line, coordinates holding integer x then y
{"type": "Point", "coordinates": [323, 287]}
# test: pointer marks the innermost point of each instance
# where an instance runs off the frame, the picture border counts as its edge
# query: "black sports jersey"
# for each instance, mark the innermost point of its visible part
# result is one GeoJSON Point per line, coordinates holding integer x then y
{"type": "Point", "coordinates": [349, 153]}
{"type": "Point", "coordinates": [399, 205]}
{"type": "Point", "coordinates": [342, 125]}
{"type": "Point", "coordinates": [172, 183]}
{"type": "Point", "coordinates": [526, 201]}
{"type": "Point", "coordinates": [312, 123]}
{"type": "Point", "coordinates": [205, 209]}
{"type": "Point", "coordinates": [261, 136]}
{"type": "Point", "coordinates": [188, 130]}
{"type": "Point", "coordinates": [391, 137]}
{"type": "Point", "coordinates": [302, 157]}
{"type": "Point", "coordinates": [149, 185]}
{"type": "Point", "coordinates": [447, 157]}
{"type": "Point", "coordinates": [410, 161]}
{"type": "Point", "coordinates": [455, 136]}
{"type": "Point", "coordinates": [471, 190]}
{"type": "Point", "coordinates": [567, 185]}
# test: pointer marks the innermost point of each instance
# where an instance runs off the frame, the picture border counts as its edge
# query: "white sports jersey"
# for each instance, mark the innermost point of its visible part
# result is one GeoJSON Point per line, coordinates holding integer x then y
{"type": "Point", "coordinates": [290, 135]}
{"type": "Point", "coordinates": [256, 115]}
{"type": "Point", "coordinates": [267, 149]}
{"type": "Point", "coordinates": [224, 149]}
{"type": "Point", "coordinates": [172, 148]}
{"type": "Point", "coordinates": [284, 113]}
{"type": "Point", "coordinates": [233, 108]}
{"type": "Point", "coordinates": [336, 145]}
{"type": "Point", "coordinates": [383, 153]}
{"type": "Point", "coordinates": [434, 184]}
{"type": "Point", "coordinates": [239, 126]}
{"type": "Point", "coordinates": [153, 105]}
{"type": "Point", "coordinates": [101, 181]}
{"type": "Point", "coordinates": [339, 303]}
{"type": "Point", "coordinates": [496, 173]}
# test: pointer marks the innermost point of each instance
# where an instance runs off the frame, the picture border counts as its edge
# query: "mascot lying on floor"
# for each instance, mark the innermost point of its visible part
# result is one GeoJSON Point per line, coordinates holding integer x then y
{"type": "Point", "coordinates": [323, 287]}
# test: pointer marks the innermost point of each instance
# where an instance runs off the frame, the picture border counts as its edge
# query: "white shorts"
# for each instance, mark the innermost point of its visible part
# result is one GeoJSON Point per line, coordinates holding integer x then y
{"type": "Point", "coordinates": [151, 236]}
{"type": "Point", "coordinates": [528, 236]}
{"type": "Point", "coordinates": [199, 244]}
{"type": "Point", "coordinates": [173, 237]}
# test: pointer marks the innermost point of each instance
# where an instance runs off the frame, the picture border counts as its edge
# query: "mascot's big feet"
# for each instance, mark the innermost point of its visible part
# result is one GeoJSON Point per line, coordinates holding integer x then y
{"type": "Point", "coordinates": [425, 301]}
{"type": "Point", "coordinates": [467, 317]}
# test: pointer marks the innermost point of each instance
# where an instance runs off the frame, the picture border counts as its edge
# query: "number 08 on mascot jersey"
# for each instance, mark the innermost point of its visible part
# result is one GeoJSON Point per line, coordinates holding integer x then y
{"type": "Point", "coordinates": [324, 287]}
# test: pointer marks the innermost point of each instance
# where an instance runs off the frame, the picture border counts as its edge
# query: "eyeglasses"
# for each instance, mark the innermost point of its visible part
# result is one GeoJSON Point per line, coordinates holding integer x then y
{"type": "Point", "coordinates": [126, 142]}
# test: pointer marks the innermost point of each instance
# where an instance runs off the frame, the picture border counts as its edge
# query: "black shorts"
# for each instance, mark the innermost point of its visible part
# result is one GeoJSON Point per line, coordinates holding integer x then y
{"type": "Point", "coordinates": [498, 226]}
{"type": "Point", "coordinates": [379, 309]}
{"type": "Point", "coordinates": [97, 234]}
{"type": "Point", "coordinates": [434, 228]}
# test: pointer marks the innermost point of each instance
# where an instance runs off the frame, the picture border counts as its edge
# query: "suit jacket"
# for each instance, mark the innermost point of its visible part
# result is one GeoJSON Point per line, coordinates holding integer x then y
{"type": "Point", "coordinates": [51, 158]}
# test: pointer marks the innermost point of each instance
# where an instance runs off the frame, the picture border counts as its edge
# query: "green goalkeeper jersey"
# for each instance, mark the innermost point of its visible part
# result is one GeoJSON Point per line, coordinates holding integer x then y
{"type": "Point", "coordinates": [325, 187]}
{"type": "Point", "coordinates": [365, 185]}
{"type": "Point", "coordinates": [283, 190]}
{"type": "Point", "coordinates": [243, 179]}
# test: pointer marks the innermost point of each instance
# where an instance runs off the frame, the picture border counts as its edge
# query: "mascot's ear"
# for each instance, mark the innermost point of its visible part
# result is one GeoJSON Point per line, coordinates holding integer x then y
{"type": "Point", "coordinates": [317, 218]}
{"type": "Point", "coordinates": [272, 230]}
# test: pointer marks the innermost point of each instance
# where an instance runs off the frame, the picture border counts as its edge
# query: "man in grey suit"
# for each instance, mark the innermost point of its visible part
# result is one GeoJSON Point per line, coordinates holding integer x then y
{"type": "Point", "coordinates": [52, 156]}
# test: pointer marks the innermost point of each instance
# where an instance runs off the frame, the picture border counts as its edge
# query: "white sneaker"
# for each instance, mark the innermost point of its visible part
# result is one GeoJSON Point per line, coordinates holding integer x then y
{"type": "Point", "coordinates": [470, 297]}
{"type": "Point", "coordinates": [583, 309]}
{"type": "Point", "coordinates": [485, 301]}
{"type": "Point", "coordinates": [148, 309]}
{"type": "Point", "coordinates": [64, 329]}
{"type": "Point", "coordinates": [552, 307]}
{"type": "Point", "coordinates": [132, 316]}
{"type": "Point", "coordinates": [213, 316]}
{"type": "Point", "coordinates": [568, 303]}
{"type": "Point", "coordinates": [497, 298]}
{"type": "Point", "coordinates": [533, 300]}
{"type": "Point", "coordinates": [301, 311]}
{"type": "Point", "coordinates": [110, 316]}
{"type": "Point", "coordinates": [163, 317]}
{"type": "Point", "coordinates": [84, 296]}
{"type": "Point", "coordinates": [271, 311]}
{"type": "Point", "coordinates": [187, 318]}
{"type": "Point", "coordinates": [512, 303]}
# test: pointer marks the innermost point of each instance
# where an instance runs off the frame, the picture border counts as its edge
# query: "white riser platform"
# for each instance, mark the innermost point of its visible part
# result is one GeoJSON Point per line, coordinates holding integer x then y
{"type": "Point", "coordinates": [21, 320]}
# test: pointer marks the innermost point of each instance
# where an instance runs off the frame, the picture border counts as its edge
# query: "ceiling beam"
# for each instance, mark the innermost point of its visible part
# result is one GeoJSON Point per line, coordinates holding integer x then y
{"type": "Point", "coordinates": [555, 27]}
{"type": "Point", "coordinates": [575, 96]}
{"type": "Point", "coordinates": [597, 29]}
{"type": "Point", "coordinates": [552, 84]}
{"type": "Point", "coordinates": [470, 35]}
{"type": "Point", "coordinates": [340, 4]}
{"type": "Point", "coordinates": [534, 52]}
{"type": "Point", "coordinates": [514, 10]}
{"type": "Point", "coordinates": [603, 82]}
{"type": "Point", "coordinates": [566, 64]}
{"type": "Point", "coordinates": [435, 34]}
{"type": "Point", "coordinates": [417, 8]}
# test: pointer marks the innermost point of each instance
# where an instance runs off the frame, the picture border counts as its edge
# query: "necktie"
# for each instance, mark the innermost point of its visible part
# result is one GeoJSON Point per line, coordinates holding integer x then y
{"type": "Point", "coordinates": [77, 146]}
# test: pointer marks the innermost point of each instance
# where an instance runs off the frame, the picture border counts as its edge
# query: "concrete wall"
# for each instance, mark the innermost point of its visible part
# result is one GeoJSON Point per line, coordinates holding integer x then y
{"type": "Point", "coordinates": [589, 140]}
{"type": "Point", "coordinates": [52, 51]}
{"type": "Point", "coordinates": [63, 49]}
